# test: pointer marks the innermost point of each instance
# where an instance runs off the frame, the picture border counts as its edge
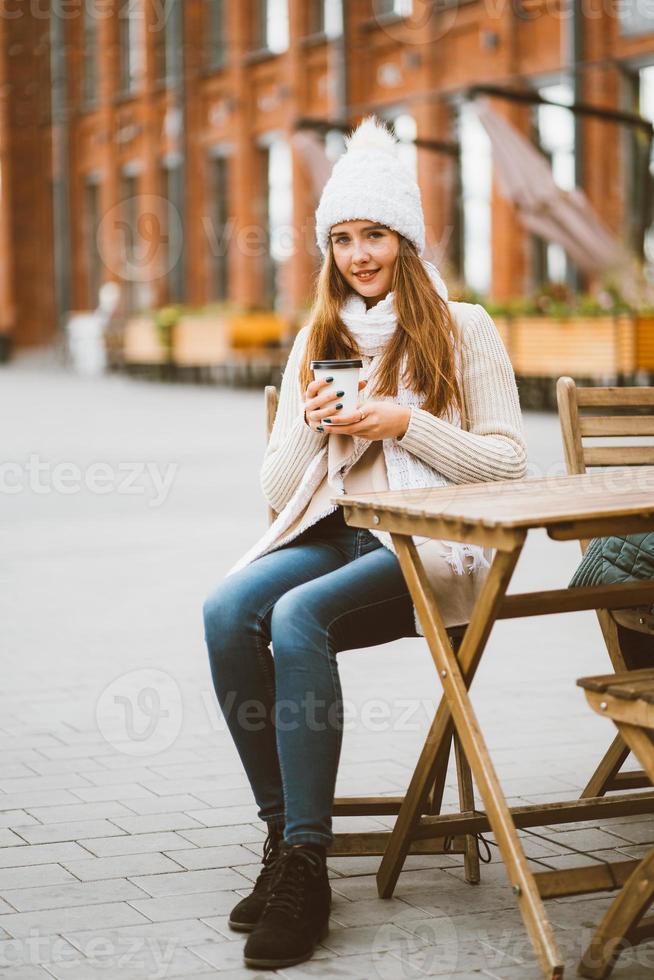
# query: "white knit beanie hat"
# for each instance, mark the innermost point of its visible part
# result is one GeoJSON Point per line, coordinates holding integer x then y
{"type": "Point", "coordinates": [370, 182]}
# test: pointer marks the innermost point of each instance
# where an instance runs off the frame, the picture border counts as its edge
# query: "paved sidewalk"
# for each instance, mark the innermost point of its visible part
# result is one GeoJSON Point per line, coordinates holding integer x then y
{"type": "Point", "coordinates": [127, 830]}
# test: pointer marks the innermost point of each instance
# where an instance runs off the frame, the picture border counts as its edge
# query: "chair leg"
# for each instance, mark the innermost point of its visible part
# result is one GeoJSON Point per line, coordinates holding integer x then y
{"type": "Point", "coordinates": [467, 805]}
{"type": "Point", "coordinates": [628, 651]}
{"type": "Point", "coordinates": [437, 791]}
{"type": "Point", "coordinates": [622, 916]}
{"type": "Point", "coordinates": [607, 770]}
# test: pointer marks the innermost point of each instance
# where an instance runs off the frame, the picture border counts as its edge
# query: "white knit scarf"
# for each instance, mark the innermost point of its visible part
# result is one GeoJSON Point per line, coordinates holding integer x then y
{"type": "Point", "coordinates": [371, 329]}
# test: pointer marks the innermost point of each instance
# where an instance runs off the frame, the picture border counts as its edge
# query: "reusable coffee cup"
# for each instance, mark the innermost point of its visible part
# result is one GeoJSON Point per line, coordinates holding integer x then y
{"type": "Point", "coordinates": [346, 378]}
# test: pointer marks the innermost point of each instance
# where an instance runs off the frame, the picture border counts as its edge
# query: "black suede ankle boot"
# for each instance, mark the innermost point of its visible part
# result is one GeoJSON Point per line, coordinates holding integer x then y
{"type": "Point", "coordinates": [296, 916]}
{"type": "Point", "coordinates": [247, 912]}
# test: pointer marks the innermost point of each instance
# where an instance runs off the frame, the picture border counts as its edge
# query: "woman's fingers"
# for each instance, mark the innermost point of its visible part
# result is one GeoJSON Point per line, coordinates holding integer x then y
{"type": "Point", "coordinates": [322, 399]}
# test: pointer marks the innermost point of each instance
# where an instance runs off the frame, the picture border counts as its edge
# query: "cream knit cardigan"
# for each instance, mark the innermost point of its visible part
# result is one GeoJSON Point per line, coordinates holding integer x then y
{"type": "Point", "coordinates": [491, 448]}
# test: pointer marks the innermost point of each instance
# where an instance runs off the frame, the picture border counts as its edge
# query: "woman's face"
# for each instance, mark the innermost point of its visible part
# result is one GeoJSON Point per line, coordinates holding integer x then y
{"type": "Point", "coordinates": [365, 254]}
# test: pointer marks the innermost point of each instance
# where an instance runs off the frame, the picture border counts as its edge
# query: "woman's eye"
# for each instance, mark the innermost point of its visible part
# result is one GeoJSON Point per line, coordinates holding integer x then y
{"type": "Point", "coordinates": [376, 234]}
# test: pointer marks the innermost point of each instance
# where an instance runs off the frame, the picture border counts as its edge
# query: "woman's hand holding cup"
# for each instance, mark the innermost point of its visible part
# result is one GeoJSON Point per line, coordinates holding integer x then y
{"type": "Point", "coordinates": [323, 399]}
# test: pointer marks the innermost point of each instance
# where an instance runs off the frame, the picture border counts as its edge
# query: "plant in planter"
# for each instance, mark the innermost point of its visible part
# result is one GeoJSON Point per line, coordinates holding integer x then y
{"type": "Point", "coordinates": [165, 320]}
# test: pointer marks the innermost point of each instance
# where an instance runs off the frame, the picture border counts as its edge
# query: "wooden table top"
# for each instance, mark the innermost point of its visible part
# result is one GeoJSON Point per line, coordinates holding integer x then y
{"type": "Point", "coordinates": [535, 502]}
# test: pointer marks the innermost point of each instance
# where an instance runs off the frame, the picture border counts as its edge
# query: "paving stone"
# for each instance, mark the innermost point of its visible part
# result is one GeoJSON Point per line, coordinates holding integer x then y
{"type": "Point", "coordinates": [214, 836]}
{"type": "Point", "coordinates": [182, 883]}
{"type": "Point", "coordinates": [156, 822]}
{"type": "Point", "coordinates": [163, 804]}
{"type": "Point", "coordinates": [589, 840]}
{"type": "Point", "coordinates": [123, 866]}
{"type": "Point", "coordinates": [117, 791]}
{"type": "Point", "coordinates": [197, 905]}
{"type": "Point", "coordinates": [15, 818]}
{"type": "Point", "coordinates": [71, 919]}
{"type": "Point", "coordinates": [13, 857]}
{"type": "Point", "coordinates": [368, 939]}
{"type": "Point", "coordinates": [110, 777]}
{"type": "Point", "coordinates": [374, 912]}
{"type": "Point", "coordinates": [41, 783]}
{"type": "Point", "coordinates": [182, 932]}
{"type": "Point", "coordinates": [8, 838]}
{"type": "Point", "coordinates": [138, 961]}
{"type": "Point", "coordinates": [80, 811]}
{"type": "Point", "coordinates": [26, 952]}
{"type": "Point", "coordinates": [213, 857]}
{"type": "Point", "coordinates": [70, 894]}
{"type": "Point", "coordinates": [385, 965]}
{"type": "Point", "coordinates": [25, 973]}
{"type": "Point", "coordinates": [222, 817]}
{"type": "Point", "coordinates": [37, 874]}
{"type": "Point", "coordinates": [641, 832]}
{"type": "Point", "coordinates": [134, 844]}
{"type": "Point", "coordinates": [243, 974]}
{"type": "Point", "coordinates": [75, 830]}
{"type": "Point", "coordinates": [31, 798]}
{"type": "Point", "coordinates": [221, 956]}
{"type": "Point", "coordinates": [50, 766]}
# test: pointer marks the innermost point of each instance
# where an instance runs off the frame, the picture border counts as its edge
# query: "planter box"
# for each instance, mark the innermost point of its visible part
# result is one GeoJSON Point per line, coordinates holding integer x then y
{"type": "Point", "coordinates": [579, 346]}
{"type": "Point", "coordinates": [201, 341]}
{"type": "Point", "coordinates": [256, 330]}
{"type": "Point", "coordinates": [142, 343]}
{"type": "Point", "coordinates": [645, 343]}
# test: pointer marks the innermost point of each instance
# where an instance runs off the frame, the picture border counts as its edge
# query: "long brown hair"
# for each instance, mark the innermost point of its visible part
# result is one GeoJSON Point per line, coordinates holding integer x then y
{"type": "Point", "coordinates": [426, 333]}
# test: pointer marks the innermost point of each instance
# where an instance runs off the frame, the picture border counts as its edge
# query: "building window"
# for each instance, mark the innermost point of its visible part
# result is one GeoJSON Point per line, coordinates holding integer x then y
{"type": "Point", "coordinates": [401, 8]}
{"type": "Point", "coordinates": [215, 33]}
{"type": "Point", "coordinates": [90, 58]}
{"type": "Point", "coordinates": [93, 260]}
{"type": "Point", "coordinates": [271, 25]}
{"type": "Point", "coordinates": [168, 42]}
{"type": "Point", "coordinates": [173, 191]}
{"type": "Point", "coordinates": [276, 215]}
{"type": "Point", "coordinates": [218, 231]}
{"type": "Point", "coordinates": [129, 25]}
{"type": "Point", "coordinates": [128, 231]}
{"type": "Point", "coordinates": [325, 17]}
{"type": "Point", "coordinates": [556, 137]}
{"type": "Point", "coordinates": [406, 131]}
{"type": "Point", "coordinates": [475, 200]}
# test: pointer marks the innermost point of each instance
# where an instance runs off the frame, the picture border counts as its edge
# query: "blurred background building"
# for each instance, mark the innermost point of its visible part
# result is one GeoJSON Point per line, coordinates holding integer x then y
{"type": "Point", "coordinates": [178, 147]}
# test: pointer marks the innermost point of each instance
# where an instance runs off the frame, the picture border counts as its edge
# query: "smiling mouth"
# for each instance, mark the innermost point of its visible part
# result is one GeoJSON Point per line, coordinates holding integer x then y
{"type": "Point", "coordinates": [366, 276]}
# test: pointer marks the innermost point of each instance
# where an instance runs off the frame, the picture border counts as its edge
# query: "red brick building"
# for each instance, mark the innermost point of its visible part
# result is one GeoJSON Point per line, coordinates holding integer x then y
{"type": "Point", "coordinates": [150, 141]}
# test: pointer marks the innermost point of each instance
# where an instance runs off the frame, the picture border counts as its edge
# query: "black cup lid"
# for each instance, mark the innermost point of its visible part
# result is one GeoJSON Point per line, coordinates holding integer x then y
{"type": "Point", "coordinates": [335, 365]}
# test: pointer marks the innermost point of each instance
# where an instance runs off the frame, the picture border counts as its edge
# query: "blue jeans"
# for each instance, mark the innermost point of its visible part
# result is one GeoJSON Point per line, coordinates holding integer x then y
{"type": "Point", "coordinates": [333, 588]}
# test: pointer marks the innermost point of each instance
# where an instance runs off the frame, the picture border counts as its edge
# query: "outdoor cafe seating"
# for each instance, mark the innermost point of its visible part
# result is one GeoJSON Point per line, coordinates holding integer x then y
{"type": "Point", "coordinates": [581, 506]}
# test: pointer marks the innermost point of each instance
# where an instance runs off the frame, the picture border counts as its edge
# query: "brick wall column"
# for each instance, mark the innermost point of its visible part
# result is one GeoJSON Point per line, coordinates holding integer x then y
{"type": "Point", "coordinates": [509, 240]}
{"type": "Point", "coordinates": [246, 265]}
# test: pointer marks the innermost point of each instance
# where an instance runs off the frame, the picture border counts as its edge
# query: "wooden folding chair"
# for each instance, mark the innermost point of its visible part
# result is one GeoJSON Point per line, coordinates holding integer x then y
{"type": "Point", "coordinates": [628, 699]}
{"type": "Point", "coordinates": [374, 842]}
{"type": "Point", "coordinates": [624, 650]}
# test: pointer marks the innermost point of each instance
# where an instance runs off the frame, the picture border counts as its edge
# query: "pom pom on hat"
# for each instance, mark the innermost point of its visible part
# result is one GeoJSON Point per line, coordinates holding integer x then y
{"type": "Point", "coordinates": [369, 182]}
{"type": "Point", "coordinates": [371, 134]}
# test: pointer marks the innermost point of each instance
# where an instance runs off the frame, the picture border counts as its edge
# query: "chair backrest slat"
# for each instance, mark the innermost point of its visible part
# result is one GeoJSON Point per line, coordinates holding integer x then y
{"type": "Point", "coordinates": [619, 455]}
{"type": "Point", "coordinates": [272, 400]}
{"type": "Point", "coordinates": [614, 397]}
{"type": "Point", "coordinates": [617, 425]}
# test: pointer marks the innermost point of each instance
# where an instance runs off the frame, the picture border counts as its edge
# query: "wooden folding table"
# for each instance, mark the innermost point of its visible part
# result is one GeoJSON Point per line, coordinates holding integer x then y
{"type": "Point", "coordinates": [500, 515]}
